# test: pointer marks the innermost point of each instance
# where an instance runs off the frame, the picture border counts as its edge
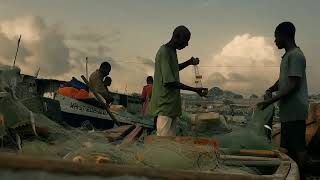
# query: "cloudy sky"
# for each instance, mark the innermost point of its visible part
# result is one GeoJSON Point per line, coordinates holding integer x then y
{"type": "Point", "coordinates": [232, 38]}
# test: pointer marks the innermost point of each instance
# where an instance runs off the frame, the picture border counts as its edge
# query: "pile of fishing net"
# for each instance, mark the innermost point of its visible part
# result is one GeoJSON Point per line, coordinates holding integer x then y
{"type": "Point", "coordinates": [250, 136]}
{"type": "Point", "coordinates": [86, 145]}
{"type": "Point", "coordinates": [81, 146]}
{"type": "Point", "coordinates": [41, 137]}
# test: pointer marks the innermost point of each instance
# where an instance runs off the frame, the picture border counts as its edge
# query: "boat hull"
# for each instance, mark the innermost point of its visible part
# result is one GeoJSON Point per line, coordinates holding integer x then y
{"type": "Point", "coordinates": [77, 113]}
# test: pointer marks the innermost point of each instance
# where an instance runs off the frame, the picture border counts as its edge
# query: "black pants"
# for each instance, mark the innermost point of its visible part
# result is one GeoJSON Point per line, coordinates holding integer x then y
{"type": "Point", "coordinates": [293, 139]}
{"type": "Point", "coordinates": [155, 122]}
{"type": "Point", "coordinates": [154, 125]}
{"type": "Point", "coordinates": [293, 136]}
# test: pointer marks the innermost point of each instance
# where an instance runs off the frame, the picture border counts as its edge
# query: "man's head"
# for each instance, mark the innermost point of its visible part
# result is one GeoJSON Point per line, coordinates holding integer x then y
{"type": "Point", "coordinates": [180, 37]}
{"type": "Point", "coordinates": [105, 68]}
{"type": "Point", "coordinates": [107, 81]}
{"type": "Point", "coordinates": [149, 80]}
{"type": "Point", "coordinates": [284, 33]}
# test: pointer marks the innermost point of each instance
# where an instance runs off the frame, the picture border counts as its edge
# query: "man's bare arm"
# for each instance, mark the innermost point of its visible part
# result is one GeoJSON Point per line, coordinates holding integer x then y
{"type": "Point", "coordinates": [178, 85]}
{"type": "Point", "coordinates": [191, 61]}
{"type": "Point", "coordinates": [290, 88]}
{"type": "Point", "coordinates": [275, 87]}
{"type": "Point", "coordinates": [184, 65]}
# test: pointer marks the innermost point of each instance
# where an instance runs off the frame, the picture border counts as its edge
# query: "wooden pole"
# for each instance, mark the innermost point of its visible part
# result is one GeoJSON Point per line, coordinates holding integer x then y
{"type": "Point", "coordinates": [87, 76]}
{"type": "Point", "coordinates": [100, 101]}
{"type": "Point", "coordinates": [37, 73]}
{"type": "Point", "coordinates": [15, 57]}
{"type": "Point", "coordinates": [111, 170]}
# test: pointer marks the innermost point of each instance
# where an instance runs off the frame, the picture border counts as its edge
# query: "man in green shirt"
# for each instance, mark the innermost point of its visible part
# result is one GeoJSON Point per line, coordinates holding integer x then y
{"type": "Point", "coordinates": [166, 98]}
{"type": "Point", "coordinates": [292, 94]}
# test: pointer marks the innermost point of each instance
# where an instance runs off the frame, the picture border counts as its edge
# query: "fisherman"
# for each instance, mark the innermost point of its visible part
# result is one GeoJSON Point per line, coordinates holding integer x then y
{"type": "Point", "coordinates": [166, 98]}
{"type": "Point", "coordinates": [96, 81]}
{"type": "Point", "coordinates": [292, 94]}
{"type": "Point", "coordinates": [146, 95]}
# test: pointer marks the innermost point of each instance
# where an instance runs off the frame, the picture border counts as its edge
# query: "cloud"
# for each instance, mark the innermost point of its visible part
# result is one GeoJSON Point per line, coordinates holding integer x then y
{"type": "Point", "coordinates": [41, 45]}
{"type": "Point", "coordinates": [62, 56]}
{"type": "Point", "coordinates": [146, 61]}
{"type": "Point", "coordinates": [87, 36]}
{"type": "Point", "coordinates": [132, 74]}
{"type": "Point", "coordinates": [8, 50]}
{"type": "Point", "coordinates": [247, 64]}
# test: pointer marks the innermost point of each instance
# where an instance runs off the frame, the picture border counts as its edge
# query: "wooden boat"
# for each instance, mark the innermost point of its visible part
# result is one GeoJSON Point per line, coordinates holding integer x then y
{"type": "Point", "coordinates": [312, 131]}
{"type": "Point", "coordinates": [40, 96]}
{"type": "Point", "coordinates": [269, 164]}
{"type": "Point", "coordinates": [77, 113]}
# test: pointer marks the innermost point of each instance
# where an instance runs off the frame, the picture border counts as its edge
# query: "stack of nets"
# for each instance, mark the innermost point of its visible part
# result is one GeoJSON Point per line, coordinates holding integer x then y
{"type": "Point", "coordinates": [251, 136]}
{"type": "Point", "coordinates": [87, 145]}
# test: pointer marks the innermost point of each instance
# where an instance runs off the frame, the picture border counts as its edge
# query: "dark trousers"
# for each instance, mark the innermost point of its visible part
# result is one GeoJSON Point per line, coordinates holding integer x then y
{"type": "Point", "coordinates": [155, 122]}
{"type": "Point", "coordinates": [293, 136]}
{"type": "Point", "coordinates": [294, 140]}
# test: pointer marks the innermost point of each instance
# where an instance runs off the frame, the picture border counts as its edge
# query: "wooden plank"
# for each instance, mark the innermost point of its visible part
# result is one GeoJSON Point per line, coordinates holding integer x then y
{"type": "Point", "coordinates": [132, 135]}
{"type": "Point", "coordinates": [184, 139]}
{"type": "Point", "coordinates": [122, 130]}
{"type": "Point", "coordinates": [111, 170]}
{"type": "Point", "coordinates": [263, 153]}
{"type": "Point", "coordinates": [250, 152]}
{"type": "Point", "coordinates": [118, 133]}
{"type": "Point", "coordinates": [247, 158]}
{"type": "Point", "coordinates": [274, 163]}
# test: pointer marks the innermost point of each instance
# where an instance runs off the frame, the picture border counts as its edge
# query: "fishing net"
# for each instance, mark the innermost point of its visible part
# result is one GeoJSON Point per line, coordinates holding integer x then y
{"type": "Point", "coordinates": [87, 145]}
{"type": "Point", "coordinates": [43, 138]}
{"type": "Point", "coordinates": [250, 136]}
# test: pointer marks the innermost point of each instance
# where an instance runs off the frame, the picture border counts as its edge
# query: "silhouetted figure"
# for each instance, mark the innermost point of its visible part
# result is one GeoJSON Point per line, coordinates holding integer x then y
{"type": "Point", "coordinates": [96, 81]}
{"type": "Point", "coordinates": [292, 94]}
{"type": "Point", "coordinates": [146, 95]}
{"type": "Point", "coordinates": [166, 98]}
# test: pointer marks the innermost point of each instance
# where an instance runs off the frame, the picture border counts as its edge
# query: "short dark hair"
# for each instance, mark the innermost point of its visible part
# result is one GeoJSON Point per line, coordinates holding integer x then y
{"type": "Point", "coordinates": [286, 28]}
{"type": "Point", "coordinates": [105, 66]}
{"type": "Point", "coordinates": [181, 29]}
{"type": "Point", "coordinates": [149, 79]}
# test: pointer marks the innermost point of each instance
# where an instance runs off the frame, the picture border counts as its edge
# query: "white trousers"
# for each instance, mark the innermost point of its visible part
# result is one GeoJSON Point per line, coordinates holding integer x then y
{"type": "Point", "coordinates": [166, 126]}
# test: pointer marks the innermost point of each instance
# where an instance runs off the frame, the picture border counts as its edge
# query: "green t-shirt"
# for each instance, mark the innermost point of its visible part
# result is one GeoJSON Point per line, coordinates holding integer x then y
{"type": "Point", "coordinates": [166, 101]}
{"type": "Point", "coordinates": [295, 106]}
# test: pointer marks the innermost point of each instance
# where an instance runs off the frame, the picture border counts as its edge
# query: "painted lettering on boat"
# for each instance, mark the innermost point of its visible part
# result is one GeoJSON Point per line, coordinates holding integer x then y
{"type": "Point", "coordinates": [88, 109]}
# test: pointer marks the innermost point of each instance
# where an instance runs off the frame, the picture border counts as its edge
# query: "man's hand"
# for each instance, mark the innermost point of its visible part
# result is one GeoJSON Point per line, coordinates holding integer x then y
{"type": "Point", "coordinates": [194, 61]}
{"type": "Point", "coordinates": [268, 94]}
{"type": "Point", "coordinates": [202, 91]}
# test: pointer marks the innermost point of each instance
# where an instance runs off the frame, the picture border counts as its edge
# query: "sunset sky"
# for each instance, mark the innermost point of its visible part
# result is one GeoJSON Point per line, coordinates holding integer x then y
{"type": "Point", "coordinates": [232, 38]}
